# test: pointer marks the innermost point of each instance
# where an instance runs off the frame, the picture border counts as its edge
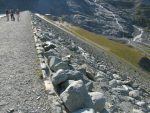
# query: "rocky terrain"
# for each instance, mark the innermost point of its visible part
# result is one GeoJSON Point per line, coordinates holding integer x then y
{"type": "Point", "coordinates": [84, 77]}
{"type": "Point", "coordinates": [113, 18]}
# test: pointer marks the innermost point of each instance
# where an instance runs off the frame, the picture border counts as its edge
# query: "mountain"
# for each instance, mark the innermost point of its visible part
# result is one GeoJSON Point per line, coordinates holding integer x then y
{"type": "Point", "coordinates": [107, 17]}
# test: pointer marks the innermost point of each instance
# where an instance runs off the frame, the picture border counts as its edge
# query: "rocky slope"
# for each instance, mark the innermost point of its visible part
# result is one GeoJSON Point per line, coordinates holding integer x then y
{"type": "Point", "coordinates": [107, 17]}
{"type": "Point", "coordinates": [84, 78]}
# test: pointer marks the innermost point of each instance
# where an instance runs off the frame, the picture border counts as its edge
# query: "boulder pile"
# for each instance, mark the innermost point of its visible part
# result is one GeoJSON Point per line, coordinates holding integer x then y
{"type": "Point", "coordinates": [84, 84]}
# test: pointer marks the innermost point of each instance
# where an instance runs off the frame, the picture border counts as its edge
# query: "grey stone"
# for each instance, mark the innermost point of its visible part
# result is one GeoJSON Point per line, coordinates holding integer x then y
{"type": "Point", "coordinates": [127, 82]}
{"type": "Point", "coordinates": [61, 65]}
{"type": "Point", "coordinates": [98, 100]}
{"type": "Point", "coordinates": [89, 86]}
{"type": "Point", "coordinates": [50, 53]}
{"type": "Point", "coordinates": [134, 93]}
{"type": "Point", "coordinates": [59, 77]}
{"type": "Point", "coordinates": [141, 103]}
{"type": "Point", "coordinates": [48, 45]}
{"type": "Point", "coordinates": [53, 61]}
{"type": "Point", "coordinates": [125, 87]}
{"type": "Point", "coordinates": [76, 96]}
{"type": "Point", "coordinates": [119, 82]}
{"type": "Point", "coordinates": [121, 91]}
{"type": "Point", "coordinates": [130, 99]}
{"type": "Point", "coordinates": [100, 74]}
{"type": "Point", "coordinates": [116, 76]}
{"type": "Point", "coordinates": [66, 60]}
{"type": "Point", "coordinates": [85, 110]}
{"type": "Point", "coordinates": [77, 75]}
{"type": "Point", "coordinates": [43, 66]}
{"type": "Point", "coordinates": [113, 83]}
{"type": "Point", "coordinates": [137, 111]}
{"type": "Point", "coordinates": [67, 83]}
{"type": "Point", "coordinates": [88, 71]}
{"type": "Point", "coordinates": [102, 68]}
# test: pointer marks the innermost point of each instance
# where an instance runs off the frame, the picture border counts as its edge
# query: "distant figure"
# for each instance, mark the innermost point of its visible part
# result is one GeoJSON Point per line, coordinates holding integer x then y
{"type": "Point", "coordinates": [18, 14]}
{"type": "Point", "coordinates": [12, 15]}
{"type": "Point", "coordinates": [7, 14]}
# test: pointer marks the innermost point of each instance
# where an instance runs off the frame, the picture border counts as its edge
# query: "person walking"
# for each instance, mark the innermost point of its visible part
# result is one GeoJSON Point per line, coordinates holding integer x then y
{"type": "Point", "coordinates": [7, 14]}
{"type": "Point", "coordinates": [12, 15]}
{"type": "Point", "coordinates": [18, 14]}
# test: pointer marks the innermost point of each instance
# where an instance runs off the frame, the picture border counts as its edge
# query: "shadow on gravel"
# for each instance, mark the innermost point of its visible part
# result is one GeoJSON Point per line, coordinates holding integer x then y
{"type": "Point", "coordinates": [145, 63]}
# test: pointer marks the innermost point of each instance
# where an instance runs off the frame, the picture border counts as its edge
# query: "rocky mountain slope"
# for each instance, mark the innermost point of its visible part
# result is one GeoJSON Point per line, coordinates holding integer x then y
{"type": "Point", "coordinates": [107, 17]}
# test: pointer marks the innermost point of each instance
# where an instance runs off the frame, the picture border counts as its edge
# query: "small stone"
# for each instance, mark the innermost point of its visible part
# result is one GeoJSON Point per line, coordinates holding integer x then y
{"type": "Point", "coordinates": [98, 100]}
{"type": "Point", "coordinates": [125, 87]}
{"type": "Point", "coordinates": [102, 68]}
{"type": "Point", "coordinates": [59, 77]}
{"type": "Point", "coordinates": [11, 110]}
{"type": "Point", "coordinates": [116, 76]}
{"type": "Point", "coordinates": [100, 74]}
{"type": "Point", "coordinates": [127, 82]}
{"type": "Point", "coordinates": [49, 45]}
{"type": "Point", "coordinates": [61, 65]}
{"type": "Point", "coordinates": [130, 99]}
{"type": "Point", "coordinates": [141, 103]}
{"type": "Point", "coordinates": [50, 53]}
{"type": "Point", "coordinates": [134, 93]}
{"type": "Point", "coordinates": [38, 97]}
{"type": "Point", "coordinates": [137, 111]}
{"type": "Point", "coordinates": [89, 86]}
{"type": "Point", "coordinates": [85, 110]}
{"type": "Point", "coordinates": [43, 66]}
{"type": "Point", "coordinates": [121, 91]}
{"type": "Point", "coordinates": [113, 83]}
{"type": "Point", "coordinates": [53, 61]}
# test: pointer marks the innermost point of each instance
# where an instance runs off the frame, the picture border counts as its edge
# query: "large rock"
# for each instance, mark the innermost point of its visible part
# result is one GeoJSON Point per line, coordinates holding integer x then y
{"type": "Point", "coordinates": [59, 77]}
{"type": "Point", "coordinates": [85, 110]}
{"type": "Point", "coordinates": [98, 100]}
{"type": "Point", "coordinates": [53, 61]}
{"type": "Point", "coordinates": [76, 97]}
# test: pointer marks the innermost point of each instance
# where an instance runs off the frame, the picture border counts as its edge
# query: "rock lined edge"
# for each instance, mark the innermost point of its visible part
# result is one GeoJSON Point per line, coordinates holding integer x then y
{"type": "Point", "coordinates": [49, 88]}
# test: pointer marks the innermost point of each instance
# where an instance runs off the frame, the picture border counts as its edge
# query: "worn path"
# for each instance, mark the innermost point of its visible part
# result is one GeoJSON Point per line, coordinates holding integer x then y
{"type": "Point", "coordinates": [21, 90]}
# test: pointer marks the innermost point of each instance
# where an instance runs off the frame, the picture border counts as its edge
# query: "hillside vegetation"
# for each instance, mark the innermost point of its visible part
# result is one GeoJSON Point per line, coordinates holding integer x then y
{"type": "Point", "coordinates": [123, 51]}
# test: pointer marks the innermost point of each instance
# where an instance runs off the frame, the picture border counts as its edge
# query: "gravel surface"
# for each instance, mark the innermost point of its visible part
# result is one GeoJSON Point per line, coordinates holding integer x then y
{"type": "Point", "coordinates": [21, 90]}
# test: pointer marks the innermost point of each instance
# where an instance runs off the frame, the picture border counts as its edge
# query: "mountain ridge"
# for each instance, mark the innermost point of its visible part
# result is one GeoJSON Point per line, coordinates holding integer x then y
{"type": "Point", "coordinates": [113, 18]}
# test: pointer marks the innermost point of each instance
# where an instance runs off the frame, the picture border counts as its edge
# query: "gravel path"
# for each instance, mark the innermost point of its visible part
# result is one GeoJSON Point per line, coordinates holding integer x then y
{"type": "Point", "coordinates": [21, 90]}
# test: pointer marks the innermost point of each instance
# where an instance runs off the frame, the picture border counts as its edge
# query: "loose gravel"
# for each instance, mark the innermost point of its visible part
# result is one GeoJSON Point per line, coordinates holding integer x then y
{"type": "Point", "coordinates": [21, 90]}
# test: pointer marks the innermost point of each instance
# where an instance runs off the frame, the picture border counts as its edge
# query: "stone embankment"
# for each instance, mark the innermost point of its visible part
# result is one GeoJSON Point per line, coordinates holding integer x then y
{"type": "Point", "coordinates": [81, 83]}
